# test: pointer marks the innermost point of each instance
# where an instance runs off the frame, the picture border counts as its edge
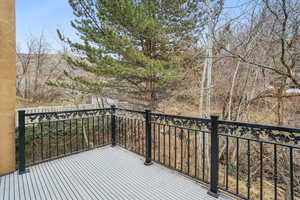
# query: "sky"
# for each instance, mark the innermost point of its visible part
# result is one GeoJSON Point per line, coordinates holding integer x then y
{"type": "Point", "coordinates": [43, 16]}
{"type": "Point", "coordinates": [46, 16]}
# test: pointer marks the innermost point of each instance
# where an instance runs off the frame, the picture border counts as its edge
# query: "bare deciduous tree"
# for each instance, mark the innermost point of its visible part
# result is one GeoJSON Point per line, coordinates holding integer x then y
{"type": "Point", "coordinates": [37, 65]}
{"type": "Point", "coordinates": [258, 57]}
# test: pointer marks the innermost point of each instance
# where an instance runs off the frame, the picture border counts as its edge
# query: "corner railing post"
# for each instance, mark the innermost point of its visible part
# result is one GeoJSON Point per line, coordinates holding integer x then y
{"type": "Point", "coordinates": [214, 157]}
{"type": "Point", "coordinates": [148, 160]}
{"type": "Point", "coordinates": [21, 142]}
{"type": "Point", "coordinates": [113, 125]}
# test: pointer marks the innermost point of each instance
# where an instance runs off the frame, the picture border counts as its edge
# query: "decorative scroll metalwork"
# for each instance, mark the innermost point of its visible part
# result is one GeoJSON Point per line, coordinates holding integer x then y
{"type": "Point", "coordinates": [285, 135]}
{"type": "Point", "coordinates": [130, 114]}
{"type": "Point", "coordinates": [198, 123]}
{"type": "Point", "coordinates": [52, 116]}
{"type": "Point", "coordinates": [274, 135]}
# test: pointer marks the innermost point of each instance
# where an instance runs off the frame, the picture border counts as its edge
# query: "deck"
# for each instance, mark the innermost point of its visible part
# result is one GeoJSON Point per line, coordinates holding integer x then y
{"type": "Point", "coordinates": [103, 173]}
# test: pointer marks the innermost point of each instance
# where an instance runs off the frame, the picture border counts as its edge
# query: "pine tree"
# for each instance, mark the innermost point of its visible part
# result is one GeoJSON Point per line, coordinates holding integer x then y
{"type": "Point", "coordinates": [136, 44]}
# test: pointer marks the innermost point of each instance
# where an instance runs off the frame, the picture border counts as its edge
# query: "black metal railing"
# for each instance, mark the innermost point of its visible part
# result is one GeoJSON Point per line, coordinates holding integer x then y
{"type": "Point", "coordinates": [46, 136]}
{"type": "Point", "coordinates": [263, 159]}
{"type": "Point", "coordinates": [248, 161]}
{"type": "Point", "coordinates": [131, 130]}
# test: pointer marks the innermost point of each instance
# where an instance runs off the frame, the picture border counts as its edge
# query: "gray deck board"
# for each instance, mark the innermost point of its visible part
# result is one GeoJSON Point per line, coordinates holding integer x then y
{"type": "Point", "coordinates": [106, 173]}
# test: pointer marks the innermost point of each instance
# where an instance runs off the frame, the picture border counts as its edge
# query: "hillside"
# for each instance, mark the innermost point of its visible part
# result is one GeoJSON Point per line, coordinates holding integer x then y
{"type": "Point", "coordinates": [181, 99]}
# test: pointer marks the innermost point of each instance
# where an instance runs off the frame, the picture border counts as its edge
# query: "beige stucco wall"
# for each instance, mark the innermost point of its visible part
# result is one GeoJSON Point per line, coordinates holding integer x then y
{"type": "Point", "coordinates": [7, 85]}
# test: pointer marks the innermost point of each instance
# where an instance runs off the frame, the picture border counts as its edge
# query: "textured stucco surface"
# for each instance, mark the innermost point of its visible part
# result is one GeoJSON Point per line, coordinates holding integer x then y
{"type": "Point", "coordinates": [7, 85]}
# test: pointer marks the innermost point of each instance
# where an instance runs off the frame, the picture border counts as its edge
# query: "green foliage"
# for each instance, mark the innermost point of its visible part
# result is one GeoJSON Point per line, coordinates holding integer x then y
{"type": "Point", "coordinates": [136, 44]}
{"type": "Point", "coordinates": [81, 84]}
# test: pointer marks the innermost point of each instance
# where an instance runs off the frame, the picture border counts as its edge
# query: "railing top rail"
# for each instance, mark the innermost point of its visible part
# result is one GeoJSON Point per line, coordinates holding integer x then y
{"type": "Point", "coordinates": [260, 126]}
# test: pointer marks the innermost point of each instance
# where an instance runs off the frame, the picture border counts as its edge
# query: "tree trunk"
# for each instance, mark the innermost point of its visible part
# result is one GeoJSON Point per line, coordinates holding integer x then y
{"type": "Point", "coordinates": [201, 110]}
{"type": "Point", "coordinates": [279, 108]}
{"type": "Point", "coordinates": [150, 95]}
{"type": "Point", "coordinates": [231, 90]}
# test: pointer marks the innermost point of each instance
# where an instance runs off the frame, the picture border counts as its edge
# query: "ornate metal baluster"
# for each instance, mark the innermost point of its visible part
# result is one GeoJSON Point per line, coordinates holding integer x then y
{"type": "Point", "coordinates": [175, 151]}
{"type": "Point", "coordinates": [248, 169]}
{"type": "Point", "coordinates": [195, 152]}
{"type": "Point", "coordinates": [291, 173]}
{"type": "Point", "coordinates": [237, 164]}
{"type": "Point", "coordinates": [188, 150]}
{"type": "Point", "coordinates": [275, 172]}
{"type": "Point", "coordinates": [76, 124]}
{"type": "Point", "coordinates": [261, 170]}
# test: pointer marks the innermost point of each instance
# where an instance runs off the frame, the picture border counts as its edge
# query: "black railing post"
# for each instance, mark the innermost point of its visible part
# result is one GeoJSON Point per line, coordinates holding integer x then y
{"type": "Point", "coordinates": [113, 125]}
{"type": "Point", "coordinates": [21, 141]}
{"type": "Point", "coordinates": [214, 157]}
{"type": "Point", "coordinates": [148, 138]}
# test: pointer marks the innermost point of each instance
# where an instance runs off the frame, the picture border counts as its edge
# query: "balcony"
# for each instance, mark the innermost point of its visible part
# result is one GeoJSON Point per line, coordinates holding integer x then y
{"type": "Point", "coordinates": [125, 154]}
{"type": "Point", "coordinates": [102, 173]}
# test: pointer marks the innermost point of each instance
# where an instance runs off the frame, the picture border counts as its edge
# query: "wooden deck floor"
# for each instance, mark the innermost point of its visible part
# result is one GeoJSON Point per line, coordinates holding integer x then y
{"type": "Point", "coordinates": [105, 173]}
